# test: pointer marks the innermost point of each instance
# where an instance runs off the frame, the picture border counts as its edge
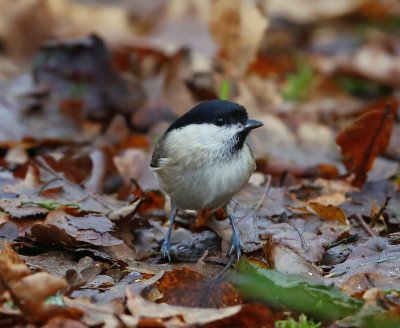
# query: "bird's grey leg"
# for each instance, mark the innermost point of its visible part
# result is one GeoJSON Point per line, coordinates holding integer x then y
{"type": "Point", "coordinates": [166, 245]}
{"type": "Point", "coordinates": [235, 241]}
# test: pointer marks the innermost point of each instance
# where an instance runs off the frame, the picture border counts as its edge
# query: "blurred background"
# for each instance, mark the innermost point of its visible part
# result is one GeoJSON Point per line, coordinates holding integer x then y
{"type": "Point", "coordinates": [115, 73]}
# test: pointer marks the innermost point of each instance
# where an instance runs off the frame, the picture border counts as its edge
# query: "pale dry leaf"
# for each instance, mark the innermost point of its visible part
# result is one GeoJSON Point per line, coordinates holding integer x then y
{"type": "Point", "coordinates": [287, 260]}
{"type": "Point", "coordinates": [141, 308]}
{"type": "Point", "coordinates": [238, 27]}
{"type": "Point", "coordinates": [335, 199]}
{"type": "Point", "coordinates": [385, 69]}
{"type": "Point", "coordinates": [307, 237]}
{"type": "Point", "coordinates": [37, 287]}
{"type": "Point", "coordinates": [133, 163]}
{"type": "Point", "coordinates": [303, 11]}
{"type": "Point", "coordinates": [124, 211]}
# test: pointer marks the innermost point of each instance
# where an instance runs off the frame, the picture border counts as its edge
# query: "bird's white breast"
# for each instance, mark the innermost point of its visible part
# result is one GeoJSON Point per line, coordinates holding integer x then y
{"type": "Point", "coordinates": [200, 170]}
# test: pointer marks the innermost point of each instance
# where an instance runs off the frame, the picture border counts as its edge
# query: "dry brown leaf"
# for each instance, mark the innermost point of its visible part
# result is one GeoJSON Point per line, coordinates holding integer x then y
{"type": "Point", "coordinates": [189, 288]}
{"type": "Point", "coordinates": [238, 26]}
{"type": "Point", "coordinates": [375, 255]}
{"type": "Point", "coordinates": [308, 237]}
{"type": "Point", "coordinates": [251, 315]}
{"type": "Point", "coordinates": [92, 229]}
{"type": "Point", "coordinates": [366, 139]}
{"type": "Point", "coordinates": [385, 66]}
{"type": "Point", "coordinates": [60, 322]}
{"type": "Point", "coordinates": [141, 308]}
{"type": "Point", "coordinates": [359, 283]}
{"type": "Point", "coordinates": [329, 212]}
{"type": "Point", "coordinates": [12, 268]}
{"type": "Point", "coordinates": [30, 291]}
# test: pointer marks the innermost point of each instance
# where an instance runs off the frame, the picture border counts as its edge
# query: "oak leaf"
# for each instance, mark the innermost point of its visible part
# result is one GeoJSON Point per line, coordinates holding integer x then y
{"type": "Point", "coordinates": [365, 139]}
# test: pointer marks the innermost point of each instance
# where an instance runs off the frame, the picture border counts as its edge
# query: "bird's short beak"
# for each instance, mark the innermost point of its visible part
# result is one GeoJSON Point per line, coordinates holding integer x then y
{"type": "Point", "coordinates": [252, 124]}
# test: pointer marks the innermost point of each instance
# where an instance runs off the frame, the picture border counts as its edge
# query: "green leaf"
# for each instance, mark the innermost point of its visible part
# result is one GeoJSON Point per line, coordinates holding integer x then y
{"type": "Point", "coordinates": [290, 292]}
{"type": "Point", "coordinates": [383, 320]}
{"type": "Point", "coordinates": [50, 205]}
{"type": "Point", "coordinates": [303, 322]}
{"type": "Point", "coordinates": [225, 90]}
{"type": "Point", "coordinates": [297, 85]}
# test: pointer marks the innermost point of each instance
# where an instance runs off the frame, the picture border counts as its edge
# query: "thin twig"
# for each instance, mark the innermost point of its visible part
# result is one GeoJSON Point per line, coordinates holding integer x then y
{"type": "Point", "coordinates": [265, 193]}
{"type": "Point", "coordinates": [260, 201]}
{"type": "Point", "coordinates": [376, 217]}
{"type": "Point", "coordinates": [364, 225]}
{"type": "Point", "coordinates": [217, 278]}
{"type": "Point", "coordinates": [285, 219]}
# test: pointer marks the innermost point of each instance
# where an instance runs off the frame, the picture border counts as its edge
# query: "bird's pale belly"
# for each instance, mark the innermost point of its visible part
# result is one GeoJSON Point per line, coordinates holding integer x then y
{"type": "Point", "coordinates": [209, 186]}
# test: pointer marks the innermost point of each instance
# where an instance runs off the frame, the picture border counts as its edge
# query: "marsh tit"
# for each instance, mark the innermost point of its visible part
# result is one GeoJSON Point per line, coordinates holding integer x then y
{"type": "Point", "coordinates": [202, 160]}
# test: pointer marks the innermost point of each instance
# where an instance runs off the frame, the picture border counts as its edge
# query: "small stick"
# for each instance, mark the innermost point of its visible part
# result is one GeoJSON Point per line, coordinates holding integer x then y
{"type": "Point", "coordinates": [375, 218]}
{"type": "Point", "coordinates": [364, 225]}
{"type": "Point", "coordinates": [217, 278]}
{"type": "Point", "coordinates": [265, 193]}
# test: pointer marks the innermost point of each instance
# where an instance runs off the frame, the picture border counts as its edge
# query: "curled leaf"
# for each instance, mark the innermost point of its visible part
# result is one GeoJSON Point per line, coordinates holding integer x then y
{"type": "Point", "coordinates": [364, 140]}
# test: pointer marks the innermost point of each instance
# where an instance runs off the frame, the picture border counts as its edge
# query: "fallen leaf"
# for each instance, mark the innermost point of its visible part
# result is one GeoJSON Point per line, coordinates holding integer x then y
{"type": "Point", "coordinates": [238, 27]}
{"type": "Point", "coordinates": [359, 283]}
{"type": "Point", "coordinates": [366, 139]}
{"type": "Point", "coordinates": [61, 322]}
{"type": "Point", "coordinates": [142, 308]}
{"type": "Point", "coordinates": [189, 288]}
{"type": "Point", "coordinates": [373, 195]}
{"type": "Point", "coordinates": [303, 11]}
{"type": "Point", "coordinates": [89, 88]}
{"type": "Point", "coordinates": [308, 237]}
{"type": "Point", "coordinates": [90, 229]}
{"type": "Point", "coordinates": [358, 62]}
{"type": "Point", "coordinates": [30, 291]}
{"type": "Point", "coordinates": [53, 262]}
{"type": "Point", "coordinates": [290, 291]}
{"type": "Point", "coordinates": [374, 255]}
{"type": "Point", "coordinates": [287, 260]}
{"type": "Point", "coordinates": [329, 212]}
{"type": "Point", "coordinates": [251, 315]}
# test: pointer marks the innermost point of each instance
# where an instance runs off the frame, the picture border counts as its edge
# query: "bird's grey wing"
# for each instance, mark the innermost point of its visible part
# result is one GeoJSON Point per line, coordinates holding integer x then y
{"type": "Point", "coordinates": [159, 155]}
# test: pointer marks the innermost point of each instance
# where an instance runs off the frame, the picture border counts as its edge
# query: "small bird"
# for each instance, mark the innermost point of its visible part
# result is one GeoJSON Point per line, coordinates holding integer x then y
{"type": "Point", "coordinates": [203, 160]}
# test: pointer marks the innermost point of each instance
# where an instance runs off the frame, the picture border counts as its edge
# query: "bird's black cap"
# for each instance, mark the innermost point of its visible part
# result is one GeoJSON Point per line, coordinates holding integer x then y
{"type": "Point", "coordinates": [218, 112]}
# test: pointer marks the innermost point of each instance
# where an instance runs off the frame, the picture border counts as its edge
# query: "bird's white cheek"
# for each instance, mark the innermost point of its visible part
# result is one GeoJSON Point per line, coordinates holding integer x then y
{"type": "Point", "coordinates": [196, 141]}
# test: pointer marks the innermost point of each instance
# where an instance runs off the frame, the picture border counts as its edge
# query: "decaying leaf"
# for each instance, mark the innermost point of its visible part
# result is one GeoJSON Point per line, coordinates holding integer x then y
{"type": "Point", "coordinates": [329, 212]}
{"type": "Point", "coordinates": [189, 288]}
{"type": "Point", "coordinates": [76, 229]}
{"type": "Point", "coordinates": [285, 259]}
{"type": "Point", "coordinates": [238, 27]}
{"type": "Point", "coordinates": [30, 291]}
{"type": "Point", "coordinates": [366, 139]}
{"type": "Point", "coordinates": [78, 199]}
{"type": "Point", "coordinates": [181, 315]}
{"type": "Point", "coordinates": [375, 255]}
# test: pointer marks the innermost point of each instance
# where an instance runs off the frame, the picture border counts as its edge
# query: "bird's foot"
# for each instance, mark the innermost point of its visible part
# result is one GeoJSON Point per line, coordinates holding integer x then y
{"type": "Point", "coordinates": [166, 249]}
{"type": "Point", "coordinates": [235, 244]}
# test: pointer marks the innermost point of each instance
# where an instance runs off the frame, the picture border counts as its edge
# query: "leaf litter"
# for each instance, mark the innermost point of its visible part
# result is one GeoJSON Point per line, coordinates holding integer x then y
{"type": "Point", "coordinates": [81, 215]}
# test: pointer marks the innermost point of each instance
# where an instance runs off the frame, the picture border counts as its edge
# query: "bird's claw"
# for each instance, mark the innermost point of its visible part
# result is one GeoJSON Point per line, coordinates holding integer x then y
{"type": "Point", "coordinates": [235, 244]}
{"type": "Point", "coordinates": [166, 249]}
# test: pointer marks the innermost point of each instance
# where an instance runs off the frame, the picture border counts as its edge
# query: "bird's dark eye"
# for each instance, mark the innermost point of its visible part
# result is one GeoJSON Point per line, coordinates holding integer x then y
{"type": "Point", "coordinates": [220, 121]}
